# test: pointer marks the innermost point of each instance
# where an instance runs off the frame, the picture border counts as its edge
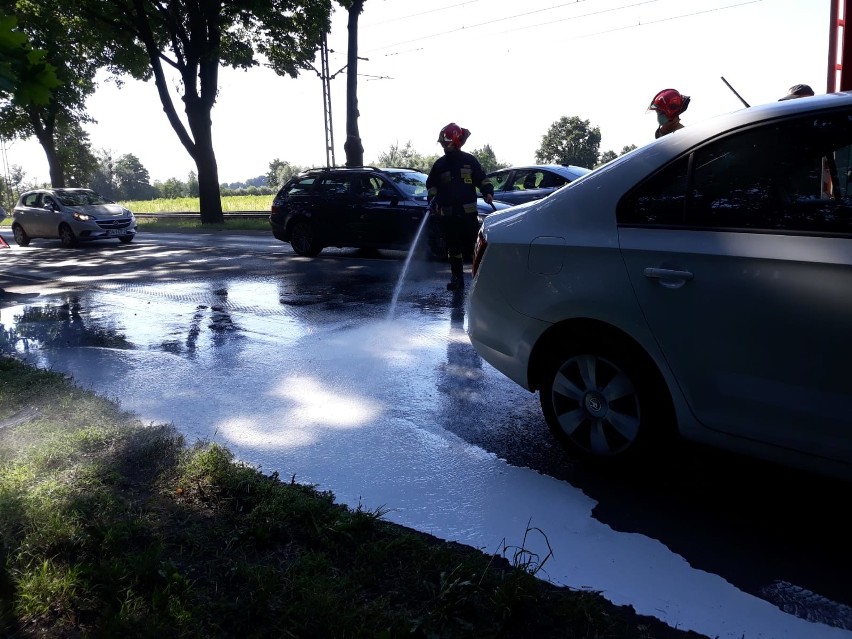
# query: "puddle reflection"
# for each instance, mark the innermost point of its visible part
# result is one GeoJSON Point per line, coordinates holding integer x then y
{"type": "Point", "coordinates": [188, 319]}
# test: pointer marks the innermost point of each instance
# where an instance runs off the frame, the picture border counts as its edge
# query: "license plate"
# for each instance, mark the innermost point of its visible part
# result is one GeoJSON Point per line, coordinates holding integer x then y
{"type": "Point", "coordinates": [114, 232]}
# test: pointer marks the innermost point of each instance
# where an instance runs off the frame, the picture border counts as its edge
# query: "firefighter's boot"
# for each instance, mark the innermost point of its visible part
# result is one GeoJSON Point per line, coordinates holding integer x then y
{"type": "Point", "coordinates": [456, 282]}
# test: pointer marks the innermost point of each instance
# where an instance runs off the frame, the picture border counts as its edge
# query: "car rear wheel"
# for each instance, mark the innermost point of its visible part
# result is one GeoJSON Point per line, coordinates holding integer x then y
{"type": "Point", "coordinates": [21, 237]}
{"type": "Point", "coordinates": [303, 239]}
{"type": "Point", "coordinates": [67, 237]}
{"type": "Point", "coordinates": [602, 404]}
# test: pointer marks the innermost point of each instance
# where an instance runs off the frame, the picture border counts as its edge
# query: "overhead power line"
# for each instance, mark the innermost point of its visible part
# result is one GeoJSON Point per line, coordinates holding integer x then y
{"type": "Point", "coordinates": [551, 22]}
{"type": "Point", "coordinates": [422, 13]}
{"type": "Point", "coordinates": [482, 24]}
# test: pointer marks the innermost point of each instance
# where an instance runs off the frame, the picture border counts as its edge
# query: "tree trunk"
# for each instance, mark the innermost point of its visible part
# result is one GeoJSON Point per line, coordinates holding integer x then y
{"type": "Point", "coordinates": [44, 131]}
{"type": "Point", "coordinates": [210, 200]}
{"type": "Point", "coordinates": [353, 147]}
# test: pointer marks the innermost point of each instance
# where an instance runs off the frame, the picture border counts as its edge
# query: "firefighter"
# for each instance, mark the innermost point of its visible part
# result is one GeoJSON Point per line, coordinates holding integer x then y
{"type": "Point", "coordinates": [797, 91]}
{"type": "Point", "coordinates": [452, 183]}
{"type": "Point", "coordinates": [668, 104]}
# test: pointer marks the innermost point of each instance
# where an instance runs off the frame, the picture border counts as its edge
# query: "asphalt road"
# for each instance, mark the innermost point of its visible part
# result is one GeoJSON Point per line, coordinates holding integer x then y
{"type": "Point", "coordinates": [237, 306]}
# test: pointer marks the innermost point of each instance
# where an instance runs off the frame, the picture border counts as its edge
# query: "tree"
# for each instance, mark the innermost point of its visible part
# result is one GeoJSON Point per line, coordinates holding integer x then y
{"type": "Point", "coordinates": [405, 157]}
{"type": "Point", "coordinates": [104, 181]}
{"type": "Point", "coordinates": [606, 156]}
{"type": "Point", "coordinates": [195, 37]}
{"type": "Point", "coordinates": [171, 188]}
{"type": "Point", "coordinates": [609, 156]}
{"type": "Point", "coordinates": [488, 159]}
{"type": "Point", "coordinates": [353, 147]}
{"type": "Point", "coordinates": [134, 181]}
{"type": "Point", "coordinates": [25, 74]}
{"type": "Point", "coordinates": [11, 186]}
{"type": "Point", "coordinates": [570, 141]}
{"type": "Point", "coordinates": [192, 184]}
{"type": "Point", "coordinates": [74, 153]}
{"type": "Point", "coordinates": [75, 51]}
{"type": "Point", "coordinates": [279, 172]}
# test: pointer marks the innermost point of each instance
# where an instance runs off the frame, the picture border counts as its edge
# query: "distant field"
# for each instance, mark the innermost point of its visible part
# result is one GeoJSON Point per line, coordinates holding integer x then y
{"type": "Point", "coordinates": [230, 204]}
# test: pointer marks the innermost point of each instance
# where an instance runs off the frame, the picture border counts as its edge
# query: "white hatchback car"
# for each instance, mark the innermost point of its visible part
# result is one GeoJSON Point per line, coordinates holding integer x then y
{"type": "Point", "coordinates": [700, 285]}
{"type": "Point", "coordinates": [72, 216]}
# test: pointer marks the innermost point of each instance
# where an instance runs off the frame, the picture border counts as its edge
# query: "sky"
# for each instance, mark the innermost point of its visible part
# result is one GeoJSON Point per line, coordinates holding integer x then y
{"type": "Point", "coordinates": [504, 73]}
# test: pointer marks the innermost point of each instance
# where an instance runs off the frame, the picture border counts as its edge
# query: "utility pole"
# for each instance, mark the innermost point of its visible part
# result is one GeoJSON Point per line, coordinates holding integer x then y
{"type": "Point", "coordinates": [326, 103]}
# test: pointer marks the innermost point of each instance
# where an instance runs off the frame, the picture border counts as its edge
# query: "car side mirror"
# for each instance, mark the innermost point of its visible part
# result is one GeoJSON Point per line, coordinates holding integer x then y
{"type": "Point", "coordinates": [50, 206]}
{"type": "Point", "coordinates": [388, 192]}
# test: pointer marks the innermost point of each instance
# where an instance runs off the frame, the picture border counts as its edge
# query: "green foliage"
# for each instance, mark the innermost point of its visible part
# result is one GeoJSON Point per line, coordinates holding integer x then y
{"type": "Point", "coordinates": [405, 157]}
{"type": "Point", "coordinates": [570, 141]}
{"type": "Point", "coordinates": [76, 52]}
{"type": "Point", "coordinates": [488, 159]}
{"type": "Point", "coordinates": [279, 172]}
{"type": "Point", "coordinates": [195, 43]}
{"type": "Point", "coordinates": [74, 151]}
{"type": "Point", "coordinates": [25, 73]}
{"type": "Point", "coordinates": [192, 184]}
{"type": "Point", "coordinates": [608, 156]}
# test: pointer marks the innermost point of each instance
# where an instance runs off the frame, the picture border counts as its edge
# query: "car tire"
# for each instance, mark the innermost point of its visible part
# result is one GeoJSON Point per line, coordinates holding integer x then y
{"type": "Point", "coordinates": [67, 237]}
{"type": "Point", "coordinates": [21, 237]}
{"type": "Point", "coordinates": [126, 239]}
{"type": "Point", "coordinates": [603, 403]}
{"type": "Point", "coordinates": [303, 239]}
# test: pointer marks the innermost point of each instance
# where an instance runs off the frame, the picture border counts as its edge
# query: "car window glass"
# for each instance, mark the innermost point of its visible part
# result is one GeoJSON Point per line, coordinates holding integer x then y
{"type": "Point", "coordinates": [525, 180]}
{"type": "Point", "coordinates": [334, 184]}
{"type": "Point", "coordinates": [80, 198]}
{"type": "Point", "coordinates": [385, 188]}
{"type": "Point", "coordinates": [33, 199]}
{"type": "Point", "coordinates": [368, 185]}
{"type": "Point", "coordinates": [551, 180]}
{"type": "Point", "coordinates": [498, 180]}
{"type": "Point", "coordinates": [412, 183]}
{"type": "Point", "coordinates": [301, 186]}
{"type": "Point", "coordinates": [776, 177]}
{"type": "Point", "coordinates": [660, 200]}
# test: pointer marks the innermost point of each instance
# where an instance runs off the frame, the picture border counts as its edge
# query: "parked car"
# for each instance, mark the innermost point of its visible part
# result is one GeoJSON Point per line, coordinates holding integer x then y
{"type": "Point", "coordinates": [520, 184]}
{"type": "Point", "coordinates": [699, 285]}
{"type": "Point", "coordinates": [72, 216]}
{"type": "Point", "coordinates": [363, 207]}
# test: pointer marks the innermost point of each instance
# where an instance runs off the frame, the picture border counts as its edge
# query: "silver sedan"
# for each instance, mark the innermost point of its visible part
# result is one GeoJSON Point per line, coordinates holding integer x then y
{"type": "Point", "coordinates": [698, 286]}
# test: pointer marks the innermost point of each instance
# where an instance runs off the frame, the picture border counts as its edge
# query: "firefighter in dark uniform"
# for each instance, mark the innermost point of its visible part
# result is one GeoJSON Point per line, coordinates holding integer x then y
{"type": "Point", "coordinates": [452, 182]}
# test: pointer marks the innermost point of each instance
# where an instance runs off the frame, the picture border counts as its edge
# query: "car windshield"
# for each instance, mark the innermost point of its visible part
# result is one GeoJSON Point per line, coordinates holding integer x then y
{"type": "Point", "coordinates": [413, 183]}
{"type": "Point", "coordinates": [81, 198]}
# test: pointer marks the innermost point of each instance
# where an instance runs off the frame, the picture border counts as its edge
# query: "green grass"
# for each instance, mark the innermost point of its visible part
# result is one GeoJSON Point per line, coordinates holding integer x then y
{"type": "Point", "coordinates": [194, 225]}
{"type": "Point", "coordinates": [114, 528]}
{"type": "Point", "coordinates": [230, 204]}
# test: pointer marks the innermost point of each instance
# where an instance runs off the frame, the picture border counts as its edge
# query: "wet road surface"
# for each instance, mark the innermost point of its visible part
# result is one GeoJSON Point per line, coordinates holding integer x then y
{"type": "Point", "coordinates": [303, 367]}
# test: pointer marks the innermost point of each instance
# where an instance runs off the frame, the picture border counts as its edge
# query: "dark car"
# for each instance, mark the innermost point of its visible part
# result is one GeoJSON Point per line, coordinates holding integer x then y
{"type": "Point", "coordinates": [70, 215]}
{"type": "Point", "coordinates": [519, 184]}
{"type": "Point", "coordinates": [363, 207]}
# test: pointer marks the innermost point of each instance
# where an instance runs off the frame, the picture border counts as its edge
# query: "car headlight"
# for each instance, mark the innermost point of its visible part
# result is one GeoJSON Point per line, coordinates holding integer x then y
{"type": "Point", "coordinates": [83, 217]}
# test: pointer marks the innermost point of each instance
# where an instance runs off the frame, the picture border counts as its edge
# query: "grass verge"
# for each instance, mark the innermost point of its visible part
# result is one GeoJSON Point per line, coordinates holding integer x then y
{"type": "Point", "coordinates": [178, 225]}
{"type": "Point", "coordinates": [113, 528]}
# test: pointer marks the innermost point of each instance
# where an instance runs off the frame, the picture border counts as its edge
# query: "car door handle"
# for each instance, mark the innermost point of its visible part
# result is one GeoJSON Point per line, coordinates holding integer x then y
{"type": "Point", "coordinates": [668, 277]}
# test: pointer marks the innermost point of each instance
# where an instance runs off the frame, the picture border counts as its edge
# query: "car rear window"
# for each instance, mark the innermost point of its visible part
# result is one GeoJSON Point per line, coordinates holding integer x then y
{"type": "Point", "coordinates": [300, 186]}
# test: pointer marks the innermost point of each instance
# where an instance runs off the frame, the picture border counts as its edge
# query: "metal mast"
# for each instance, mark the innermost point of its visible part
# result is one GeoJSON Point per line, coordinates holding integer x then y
{"type": "Point", "coordinates": [326, 103]}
